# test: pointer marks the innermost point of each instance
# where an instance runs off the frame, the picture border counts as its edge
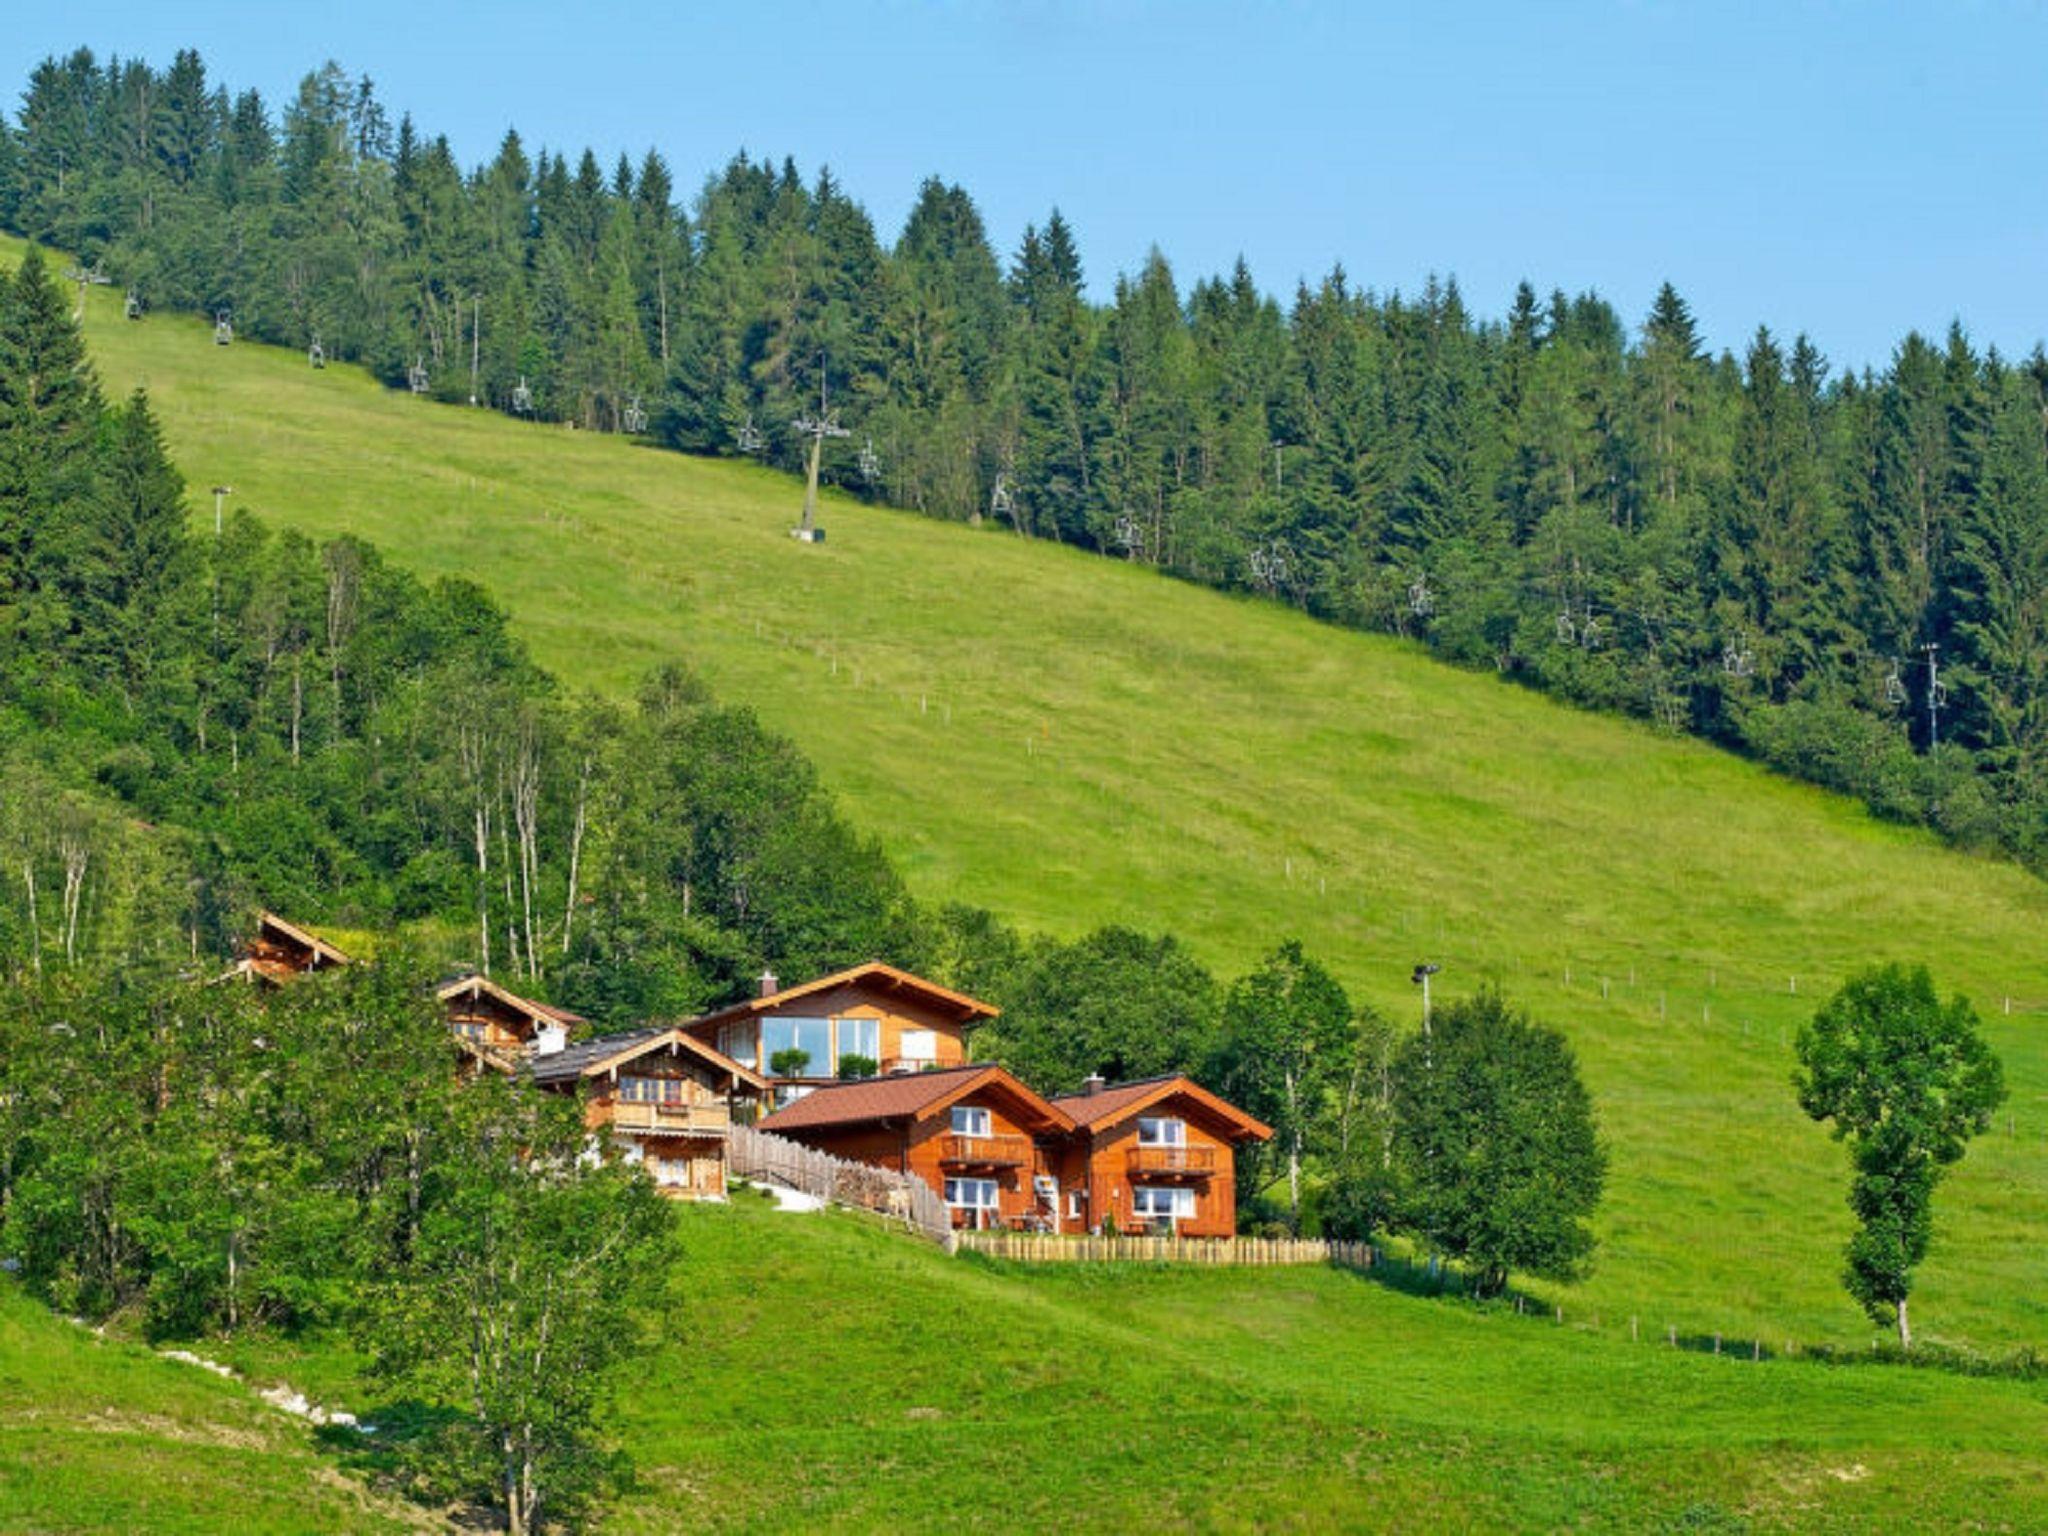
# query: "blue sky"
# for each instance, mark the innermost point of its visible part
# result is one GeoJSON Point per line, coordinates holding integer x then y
{"type": "Point", "coordinates": [1852, 170]}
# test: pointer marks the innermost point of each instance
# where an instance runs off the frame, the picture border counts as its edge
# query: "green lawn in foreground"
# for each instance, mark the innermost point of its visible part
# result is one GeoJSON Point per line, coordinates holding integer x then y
{"type": "Point", "coordinates": [103, 1436]}
{"type": "Point", "coordinates": [1072, 741]}
{"type": "Point", "coordinates": [816, 1373]}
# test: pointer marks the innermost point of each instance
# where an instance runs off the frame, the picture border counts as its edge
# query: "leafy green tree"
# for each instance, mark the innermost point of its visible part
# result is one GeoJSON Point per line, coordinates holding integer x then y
{"type": "Point", "coordinates": [1500, 1161]}
{"type": "Point", "coordinates": [533, 1274]}
{"type": "Point", "coordinates": [1123, 1004]}
{"type": "Point", "coordinates": [1286, 1032]}
{"type": "Point", "coordinates": [1906, 1080]}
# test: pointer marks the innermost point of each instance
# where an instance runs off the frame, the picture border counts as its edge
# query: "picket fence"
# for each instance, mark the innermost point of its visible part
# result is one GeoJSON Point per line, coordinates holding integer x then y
{"type": "Point", "coordinates": [1035, 1248]}
{"type": "Point", "coordinates": [757, 1154]}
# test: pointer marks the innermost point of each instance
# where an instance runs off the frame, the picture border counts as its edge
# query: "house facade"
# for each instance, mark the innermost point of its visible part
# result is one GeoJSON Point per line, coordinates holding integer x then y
{"type": "Point", "coordinates": [1158, 1155]}
{"type": "Point", "coordinates": [872, 1017]}
{"type": "Point", "coordinates": [975, 1134]}
{"type": "Point", "coordinates": [666, 1100]}
{"type": "Point", "coordinates": [495, 1028]}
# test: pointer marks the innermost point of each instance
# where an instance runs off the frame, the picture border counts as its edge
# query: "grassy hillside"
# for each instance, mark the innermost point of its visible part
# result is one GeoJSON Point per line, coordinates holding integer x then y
{"type": "Point", "coordinates": [101, 1436]}
{"type": "Point", "coordinates": [969, 1396]}
{"type": "Point", "coordinates": [1072, 741]}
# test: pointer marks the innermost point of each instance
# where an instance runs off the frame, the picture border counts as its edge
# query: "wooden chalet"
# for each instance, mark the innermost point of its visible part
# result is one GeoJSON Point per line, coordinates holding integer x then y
{"type": "Point", "coordinates": [666, 1099]}
{"type": "Point", "coordinates": [495, 1028]}
{"type": "Point", "coordinates": [1157, 1155]}
{"type": "Point", "coordinates": [976, 1134]}
{"type": "Point", "coordinates": [279, 951]}
{"type": "Point", "coordinates": [894, 1021]}
{"type": "Point", "coordinates": [1152, 1156]}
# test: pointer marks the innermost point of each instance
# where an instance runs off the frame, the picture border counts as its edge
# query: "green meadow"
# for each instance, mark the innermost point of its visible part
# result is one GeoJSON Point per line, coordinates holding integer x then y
{"type": "Point", "coordinates": [1073, 741]}
{"type": "Point", "coordinates": [815, 1373]}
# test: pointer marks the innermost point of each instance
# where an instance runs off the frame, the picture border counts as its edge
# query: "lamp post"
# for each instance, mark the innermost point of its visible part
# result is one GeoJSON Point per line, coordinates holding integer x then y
{"type": "Point", "coordinates": [220, 494]}
{"type": "Point", "coordinates": [1423, 971]}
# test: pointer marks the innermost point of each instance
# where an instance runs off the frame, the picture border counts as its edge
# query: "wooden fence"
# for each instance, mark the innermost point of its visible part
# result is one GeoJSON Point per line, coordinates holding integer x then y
{"type": "Point", "coordinates": [756, 1154]}
{"type": "Point", "coordinates": [1032, 1248]}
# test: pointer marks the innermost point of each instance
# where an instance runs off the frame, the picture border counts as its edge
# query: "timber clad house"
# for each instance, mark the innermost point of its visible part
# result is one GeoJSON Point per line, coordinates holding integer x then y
{"type": "Point", "coordinates": [280, 951]}
{"type": "Point", "coordinates": [1152, 1156]}
{"type": "Point", "coordinates": [667, 1099]}
{"type": "Point", "coordinates": [894, 1021]}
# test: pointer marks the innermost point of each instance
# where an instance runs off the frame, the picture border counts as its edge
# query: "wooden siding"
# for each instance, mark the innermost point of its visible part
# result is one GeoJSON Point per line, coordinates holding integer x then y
{"type": "Point", "coordinates": [898, 1015]}
{"type": "Point", "coordinates": [1107, 1162]}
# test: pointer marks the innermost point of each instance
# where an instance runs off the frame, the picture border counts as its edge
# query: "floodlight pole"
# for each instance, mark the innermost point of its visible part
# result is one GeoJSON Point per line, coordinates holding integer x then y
{"type": "Point", "coordinates": [220, 493]}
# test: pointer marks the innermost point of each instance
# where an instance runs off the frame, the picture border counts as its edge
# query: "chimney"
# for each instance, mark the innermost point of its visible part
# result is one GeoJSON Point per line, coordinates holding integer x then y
{"type": "Point", "coordinates": [769, 985]}
{"type": "Point", "coordinates": [549, 1038]}
{"type": "Point", "coordinates": [1092, 1084]}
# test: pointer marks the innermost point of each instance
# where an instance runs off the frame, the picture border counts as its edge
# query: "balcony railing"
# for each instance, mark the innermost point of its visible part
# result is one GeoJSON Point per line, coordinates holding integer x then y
{"type": "Point", "coordinates": [986, 1151]}
{"type": "Point", "coordinates": [637, 1115]}
{"type": "Point", "coordinates": [1194, 1162]}
{"type": "Point", "coordinates": [892, 1065]}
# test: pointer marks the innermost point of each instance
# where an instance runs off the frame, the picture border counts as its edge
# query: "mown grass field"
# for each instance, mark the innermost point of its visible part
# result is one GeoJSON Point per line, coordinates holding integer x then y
{"type": "Point", "coordinates": [99, 1435]}
{"type": "Point", "coordinates": [816, 1373]}
{"type": "Point", "coordinates": [1072, 741]}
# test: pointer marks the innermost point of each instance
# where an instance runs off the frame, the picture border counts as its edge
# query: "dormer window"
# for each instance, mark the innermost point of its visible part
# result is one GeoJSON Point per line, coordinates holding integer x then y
{"type": "Point", "coordinates": [971, 1120]}
{"type": "Point", "coordinates": [1158, 1132]}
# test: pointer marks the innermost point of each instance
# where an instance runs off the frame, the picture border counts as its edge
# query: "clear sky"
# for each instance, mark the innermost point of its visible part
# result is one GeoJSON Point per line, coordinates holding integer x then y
{"type": "Point", "coordinates": [1851, 170]}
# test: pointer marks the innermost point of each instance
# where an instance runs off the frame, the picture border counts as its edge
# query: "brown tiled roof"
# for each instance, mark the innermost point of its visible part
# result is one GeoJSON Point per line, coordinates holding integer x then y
{"type": "Point", "coordinates": [901, 1096]}
{"type": "Point", "coordinates": [969, 1008]}
{"type": "Point", "coordinates": [1120, 1101]}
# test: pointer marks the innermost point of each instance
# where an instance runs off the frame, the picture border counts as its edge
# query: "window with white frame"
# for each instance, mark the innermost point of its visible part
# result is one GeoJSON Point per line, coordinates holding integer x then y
{"type": "Point", "coordinates": [1162, 1201]}
{"type": "Point", "coordinates": [858, 1037]}
{"type": "Point", "coordinates": [971, 1120]}
{"type": "Point", "coordinates": [792, 1032]}
{"type": "Point", "coordinates": [920, 1045]}
{"type": "Point", "coordinates": [1074, 1204]}
{"type": "Point", "coordinates": [971, 1194]}
{"type": "Point", "coordinates": [740, 1041]}
{"type": "Point", "coordinates": [1160, 1132]}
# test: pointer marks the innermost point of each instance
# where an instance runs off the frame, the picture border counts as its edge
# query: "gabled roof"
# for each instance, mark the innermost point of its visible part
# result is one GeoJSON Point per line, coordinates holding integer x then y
{"type": "Point", "coordinates": [910, 1096]}
{"type": "Point", "coordinates": [875, 973]}
{"type": "Point", "coordinates": [268, 922]}
{"type": "Point", "coordinates": [591, 1058]}
{"type": "Point", "coordinates": [1120, 1101]}
{"type": "Point", "coordinates": [475, 985]}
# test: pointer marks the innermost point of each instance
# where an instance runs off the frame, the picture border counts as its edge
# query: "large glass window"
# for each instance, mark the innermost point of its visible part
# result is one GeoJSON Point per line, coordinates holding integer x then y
{"type": "Point", "coordinates": [738, 1041]}
{"type": "Point", "coordinates": [971, 1194]}
{"type": "Point", "coordinates": [970, 1120]}
{"type": "Point", "coordinates": [1161, 1133]}
{"type": "Point", "coordinates": [1162, 1200]}
{"type": "Point", "coordinates": [859, 1037]}
{"type": "Point", "coordinates": [793, 1032]}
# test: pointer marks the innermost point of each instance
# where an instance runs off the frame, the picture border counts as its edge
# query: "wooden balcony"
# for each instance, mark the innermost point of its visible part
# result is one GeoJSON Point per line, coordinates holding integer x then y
{"type": "Point", "coordinates": [672, 1119]}
{"type": "Point", "coordinates": [1171, 1162]}
{"type": "Point", "coordinates": [985, 1151]}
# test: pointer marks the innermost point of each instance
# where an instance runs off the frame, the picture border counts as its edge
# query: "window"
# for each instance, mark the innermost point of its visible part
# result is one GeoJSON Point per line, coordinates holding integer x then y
{"type": "Point", "coordinates": [970, 1120]}
{"type": "Point", "coordinates": [789, 1032]}
{"type": "Point", "coordinates": [651, 1090]}
{"type": "Point", "coordinates": [971, 1194]}
{"type": "Point", "coordinates": [859, 1037]}
{"type": "Point", "coordinates": [740, 1041]}
{"type": "Point", "coordinates": [920, 1045]}
{"type": "Point", "coordinates": [1162, 1133]}
{"type": "Point", "coordinates": [1160, 1200]}
{"type": "Point", "coordinates": [1074, 1204]}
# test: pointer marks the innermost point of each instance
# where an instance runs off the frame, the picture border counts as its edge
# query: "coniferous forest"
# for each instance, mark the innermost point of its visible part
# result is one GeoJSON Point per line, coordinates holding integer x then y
{"type": "Point", "coordinates": [1843, 573]}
